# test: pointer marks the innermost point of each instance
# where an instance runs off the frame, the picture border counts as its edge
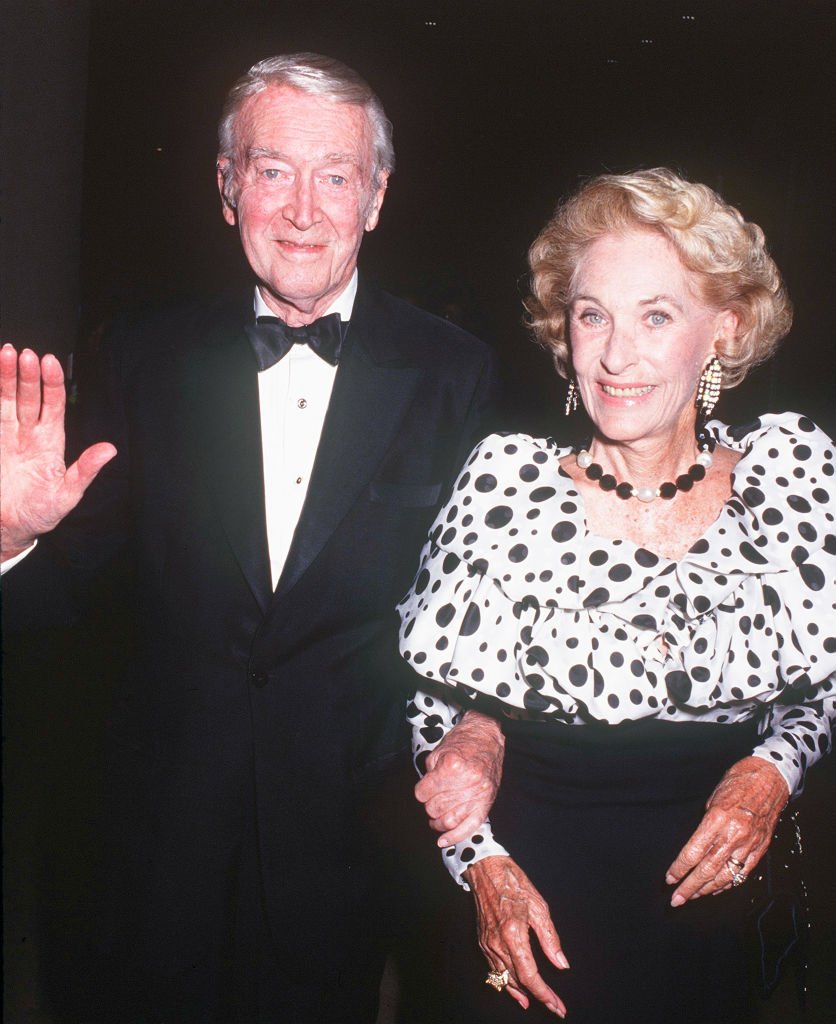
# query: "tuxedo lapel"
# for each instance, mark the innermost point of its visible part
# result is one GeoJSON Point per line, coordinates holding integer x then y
{"type": "Point", "coordinates": [227, 436]}
{"type": "Point", "coordinates": [371, 394]}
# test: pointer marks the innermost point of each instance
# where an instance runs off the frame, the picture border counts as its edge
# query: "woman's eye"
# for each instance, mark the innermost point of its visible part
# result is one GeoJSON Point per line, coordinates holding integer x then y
{"type": "Point", "coordinates": [658, 319]}
{"type": "Point", "coordinates": [591, 317]}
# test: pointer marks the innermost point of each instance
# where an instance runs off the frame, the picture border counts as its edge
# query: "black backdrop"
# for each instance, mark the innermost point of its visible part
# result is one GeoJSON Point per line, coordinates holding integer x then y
{"type": "Point", "coordinates": [499, 107]}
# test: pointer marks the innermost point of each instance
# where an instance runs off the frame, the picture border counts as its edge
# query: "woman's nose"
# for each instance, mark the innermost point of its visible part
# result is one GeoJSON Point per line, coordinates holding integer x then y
{"type": "Point", "coordinates": [620, 351]}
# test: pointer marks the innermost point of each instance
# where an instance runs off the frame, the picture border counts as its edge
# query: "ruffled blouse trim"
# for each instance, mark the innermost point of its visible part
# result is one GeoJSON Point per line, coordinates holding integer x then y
{"type": "Point", "coordinates": [533, 570]}
{"type": "Point", "coordinates": [772, 523]}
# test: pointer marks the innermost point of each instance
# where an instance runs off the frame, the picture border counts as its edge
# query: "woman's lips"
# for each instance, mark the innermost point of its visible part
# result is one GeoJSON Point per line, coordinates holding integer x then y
{"type": "Point", "coordinates": [627, 391]}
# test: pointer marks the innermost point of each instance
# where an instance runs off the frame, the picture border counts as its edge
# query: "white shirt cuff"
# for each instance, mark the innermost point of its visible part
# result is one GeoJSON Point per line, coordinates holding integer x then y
{"type": "Point", "coordinates": [10, 563]}
{"type": "Point", "coordinates": [459, 857]}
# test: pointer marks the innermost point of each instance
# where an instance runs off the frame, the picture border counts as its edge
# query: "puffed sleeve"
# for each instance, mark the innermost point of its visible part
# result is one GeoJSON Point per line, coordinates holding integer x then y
{"type": "Point", "coordinates": [787, 491]}
{"type": "Point", "coordinates": [431, 719]}
{"type": "Point", "coordinates": [799, 734]}
{"type": "Point", "coordinates": [454, 619]}
{"type": "Point", "coordinates": [800, 722]}
{"type": "Point", "coordinates": [468, 618]}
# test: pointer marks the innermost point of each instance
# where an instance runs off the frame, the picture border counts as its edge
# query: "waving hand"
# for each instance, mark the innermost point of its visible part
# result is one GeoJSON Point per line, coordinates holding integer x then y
{"type": "Point", "coordinates": [37, 488]}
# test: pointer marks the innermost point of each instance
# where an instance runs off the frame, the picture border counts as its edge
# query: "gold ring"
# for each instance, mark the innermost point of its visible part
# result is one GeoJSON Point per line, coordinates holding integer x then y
{"type": "Point", "coordinates": [497, 979]}
{"type": "Point", "coordinates": [733, 863]}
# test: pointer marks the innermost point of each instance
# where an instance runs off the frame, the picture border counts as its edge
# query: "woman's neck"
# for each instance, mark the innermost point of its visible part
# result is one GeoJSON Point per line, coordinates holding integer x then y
{"type": "Point", "coordinates": [648, 461]}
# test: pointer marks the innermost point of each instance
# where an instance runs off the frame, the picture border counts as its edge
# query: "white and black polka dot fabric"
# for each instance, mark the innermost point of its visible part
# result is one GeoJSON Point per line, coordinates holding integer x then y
{"type": "Point", "coordinates": [517, 600]}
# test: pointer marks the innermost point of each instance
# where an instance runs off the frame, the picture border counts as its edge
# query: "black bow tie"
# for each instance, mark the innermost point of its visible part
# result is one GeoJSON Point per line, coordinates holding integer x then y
{"type": "Point", "coordinates": [272, 339]}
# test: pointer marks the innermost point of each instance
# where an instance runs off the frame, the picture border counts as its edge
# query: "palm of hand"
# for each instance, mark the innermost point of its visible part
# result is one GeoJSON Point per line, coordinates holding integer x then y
{"type": "Point", "coordinates": [38, 489]}
{"type": "Point", "coordinates": [35, 494]}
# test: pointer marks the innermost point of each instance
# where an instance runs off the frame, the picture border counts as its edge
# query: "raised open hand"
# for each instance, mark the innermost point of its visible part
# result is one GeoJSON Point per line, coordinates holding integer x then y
{"type": "Point", "coordinates": [37, 489]}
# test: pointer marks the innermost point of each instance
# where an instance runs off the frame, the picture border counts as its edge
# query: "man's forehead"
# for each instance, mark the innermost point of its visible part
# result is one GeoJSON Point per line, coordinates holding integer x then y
{"type": "Point", "coordinates": [281, 111]}
{"type": "Point", "coordinates": [333, 157]}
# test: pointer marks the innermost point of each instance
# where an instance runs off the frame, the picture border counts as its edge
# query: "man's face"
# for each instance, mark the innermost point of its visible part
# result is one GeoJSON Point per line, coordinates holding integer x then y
{"type": "Point", "coordinates": [304, 197]}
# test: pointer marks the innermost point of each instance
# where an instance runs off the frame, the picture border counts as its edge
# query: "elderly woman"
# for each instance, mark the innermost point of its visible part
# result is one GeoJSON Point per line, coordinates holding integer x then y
{"type": "Point", "coordinates": [649, 613]}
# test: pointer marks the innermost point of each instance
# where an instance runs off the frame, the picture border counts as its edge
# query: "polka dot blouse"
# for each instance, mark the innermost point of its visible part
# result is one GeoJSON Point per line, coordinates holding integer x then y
{"type": "Point", "coordinates": [515, 599]}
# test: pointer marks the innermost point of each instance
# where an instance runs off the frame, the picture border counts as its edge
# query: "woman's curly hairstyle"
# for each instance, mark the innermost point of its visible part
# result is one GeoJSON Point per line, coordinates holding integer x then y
{"type": "Point", "coordinates": [726, 254]}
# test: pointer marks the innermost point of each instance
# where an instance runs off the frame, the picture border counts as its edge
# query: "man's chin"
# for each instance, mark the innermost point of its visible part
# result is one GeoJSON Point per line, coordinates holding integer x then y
{"type": "Point", "coordinates": [286, 300]}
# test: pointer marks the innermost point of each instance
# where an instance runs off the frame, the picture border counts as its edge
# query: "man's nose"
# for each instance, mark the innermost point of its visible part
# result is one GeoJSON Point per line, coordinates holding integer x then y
{"type": "Point", "coordinates": [301, 207]}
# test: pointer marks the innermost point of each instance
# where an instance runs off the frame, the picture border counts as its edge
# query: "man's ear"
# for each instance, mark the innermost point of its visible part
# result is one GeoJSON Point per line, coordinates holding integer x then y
{"type": "Point", "coordinates": [227, 203]}
{"type": "Point", "coordinates": [376, 201]}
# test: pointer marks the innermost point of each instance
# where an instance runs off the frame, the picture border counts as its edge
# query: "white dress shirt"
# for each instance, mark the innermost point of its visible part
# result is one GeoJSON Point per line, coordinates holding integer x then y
{"type": "Point", "coordinates": [293, 398]}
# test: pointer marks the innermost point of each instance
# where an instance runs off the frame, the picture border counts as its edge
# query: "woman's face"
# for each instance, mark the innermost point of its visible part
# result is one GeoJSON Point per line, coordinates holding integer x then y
{"type": "Point", "coordinates": [640, 336]}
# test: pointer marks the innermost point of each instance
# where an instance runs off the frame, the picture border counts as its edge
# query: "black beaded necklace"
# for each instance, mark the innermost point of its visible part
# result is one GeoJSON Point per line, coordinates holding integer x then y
{"type": "Point", "coordinates": [667, 490]}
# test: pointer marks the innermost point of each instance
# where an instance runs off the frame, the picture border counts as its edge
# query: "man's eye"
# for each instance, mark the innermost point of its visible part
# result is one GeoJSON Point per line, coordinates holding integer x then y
{"type": "Point", "coordinates": [271, 174]}
{"type": "Point", "coordinates": [337, 180]}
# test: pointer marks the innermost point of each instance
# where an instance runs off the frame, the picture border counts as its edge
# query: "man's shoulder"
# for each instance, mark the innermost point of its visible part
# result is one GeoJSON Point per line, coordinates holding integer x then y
{"type": "Point", "coordinates": [407, 333]}
{"type": "Point", "coordinates": [182, 323]}
{"type": "Point", "coordinates": [159, 346]}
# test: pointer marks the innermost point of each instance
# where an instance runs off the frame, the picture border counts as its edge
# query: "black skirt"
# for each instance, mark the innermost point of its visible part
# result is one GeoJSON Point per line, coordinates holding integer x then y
{"type": "Point", "coordinates": [595, 815]}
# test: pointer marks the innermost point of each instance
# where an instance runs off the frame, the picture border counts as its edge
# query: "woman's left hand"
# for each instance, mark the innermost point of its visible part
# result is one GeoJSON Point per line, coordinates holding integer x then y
{"type": "Point", "coordinates": [508, 909]}
{"type": "Point", "coordinates": [734, 833]}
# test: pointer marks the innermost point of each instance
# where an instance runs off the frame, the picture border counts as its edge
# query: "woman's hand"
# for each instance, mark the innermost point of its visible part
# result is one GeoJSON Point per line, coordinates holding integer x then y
{"type": "Point", "coordinates": [38, 488]}
{"type": "Point", "coordinates": [507, 906]}
{"type": "Point", "coordinates": [734, 833]}
{"type": "Point", "coordinates": [462, 777]}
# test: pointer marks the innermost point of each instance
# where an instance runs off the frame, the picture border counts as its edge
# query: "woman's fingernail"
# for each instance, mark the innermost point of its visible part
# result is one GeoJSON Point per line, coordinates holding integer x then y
{"type": "Point", "coordinates": [677, 901]}
{"type": "Point", "coordinates": [669, 878]}
{"type": "Point", "coordinates": [561, 959]}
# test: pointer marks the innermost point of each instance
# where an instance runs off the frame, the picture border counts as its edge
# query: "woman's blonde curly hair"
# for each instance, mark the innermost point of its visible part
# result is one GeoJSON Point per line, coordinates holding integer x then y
{"type": "Point", "coordinates": [726, 253]}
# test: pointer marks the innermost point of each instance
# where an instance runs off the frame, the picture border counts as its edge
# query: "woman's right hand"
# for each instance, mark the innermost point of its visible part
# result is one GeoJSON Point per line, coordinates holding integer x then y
{"type": "Point", "coordinates": [507, 907]}
{"type": "Point", "coordinates": [462, 777]}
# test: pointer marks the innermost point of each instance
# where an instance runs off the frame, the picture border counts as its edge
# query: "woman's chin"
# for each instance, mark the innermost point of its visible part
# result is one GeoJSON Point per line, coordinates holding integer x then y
{"type": "Point", "coordinates": [624, 428]}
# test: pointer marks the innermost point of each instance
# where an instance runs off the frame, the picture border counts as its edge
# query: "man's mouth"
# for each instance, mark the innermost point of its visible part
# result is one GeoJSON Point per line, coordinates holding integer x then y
{"type": "Point", "coordinates": [299, 246]}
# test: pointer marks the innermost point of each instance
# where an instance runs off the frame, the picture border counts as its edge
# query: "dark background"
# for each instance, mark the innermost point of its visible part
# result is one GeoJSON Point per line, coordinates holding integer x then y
{"type": "Point", "coordinates": [499, 108]}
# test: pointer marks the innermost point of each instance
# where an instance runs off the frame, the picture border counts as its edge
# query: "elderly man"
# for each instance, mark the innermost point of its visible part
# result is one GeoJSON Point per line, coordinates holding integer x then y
{"type": "Point", "coordinates": [271, 465]}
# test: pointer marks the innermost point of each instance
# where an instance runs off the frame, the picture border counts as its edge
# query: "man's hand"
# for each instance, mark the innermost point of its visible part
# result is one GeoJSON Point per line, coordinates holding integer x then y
{"type": "Point", "coordinates": [734, 833]}
{"type": "Point", "coordinates": [462, 778]}
{"type": "Point", "coordinates": [508, 907]}
{"type": "Point", "coordinates": [36, 488]}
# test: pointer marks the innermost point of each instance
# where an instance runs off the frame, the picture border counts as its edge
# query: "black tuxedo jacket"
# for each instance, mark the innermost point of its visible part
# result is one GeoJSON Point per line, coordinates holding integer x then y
{"type": "Point", "coordinates": [294, 700]}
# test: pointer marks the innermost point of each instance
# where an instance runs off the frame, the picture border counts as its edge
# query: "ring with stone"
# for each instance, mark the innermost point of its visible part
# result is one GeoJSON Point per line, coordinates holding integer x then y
{"type": "Point", "coordinates": [497, 979]}
{"type": "Point", "coordinates": [738, 875]}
